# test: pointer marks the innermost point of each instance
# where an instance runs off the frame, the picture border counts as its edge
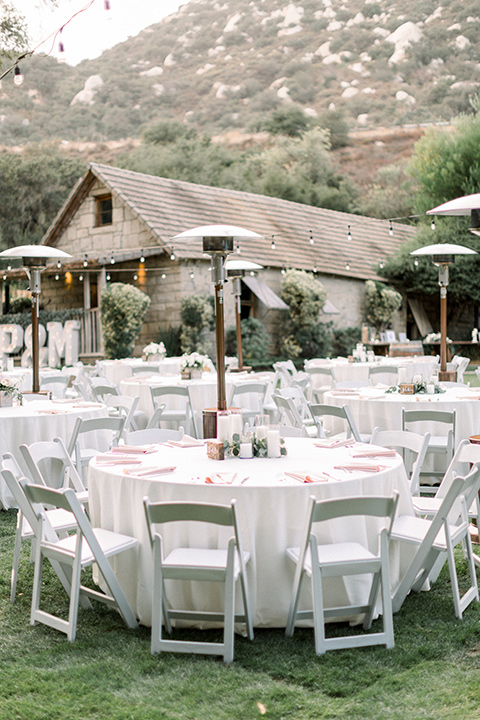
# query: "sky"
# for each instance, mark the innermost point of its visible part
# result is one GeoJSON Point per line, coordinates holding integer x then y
{"type": "Point", "coordinates": [96, 29]}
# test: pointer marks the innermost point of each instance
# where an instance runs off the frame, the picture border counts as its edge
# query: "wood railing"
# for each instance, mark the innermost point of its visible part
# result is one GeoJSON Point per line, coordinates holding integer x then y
{"type": "Point", "coordinates": [91, 338]}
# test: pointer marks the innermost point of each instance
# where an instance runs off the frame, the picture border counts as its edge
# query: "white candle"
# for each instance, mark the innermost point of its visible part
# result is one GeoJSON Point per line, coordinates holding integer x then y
{"type": "Point", "coordinates": [246, 450]}
{"type": "Point", "coordinates": [430, 388]}
{"type": "Point", "coordinates": [236, 424]}
{"type": "Point", "coordinates": [223, 426]}
{"type": "Point", "coordinates": [261, 432]}
{"type": "Point", "coordinates": [273, 443]}
{"type": "Point", "coordinates": [402, 375]}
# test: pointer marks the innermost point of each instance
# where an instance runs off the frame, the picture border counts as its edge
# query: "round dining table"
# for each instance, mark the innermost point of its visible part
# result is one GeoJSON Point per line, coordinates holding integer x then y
{"type": "Point", "coordinates": [38, 420]}
{"type": "Point", "coordinates": [375, 407]}
{"type": "Point", "coordinates": [272, 496]}
{"type": "Point", "coordinates": [203, 391]}
{"type": "Point", "coordinates": [121, 369]}
{"type": "Point", "coordinates": [357, 371]}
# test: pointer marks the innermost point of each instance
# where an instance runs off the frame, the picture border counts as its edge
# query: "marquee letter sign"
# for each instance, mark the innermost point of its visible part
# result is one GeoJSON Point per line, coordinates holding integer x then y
{"type": "Point", "coordinates": [62, 346]}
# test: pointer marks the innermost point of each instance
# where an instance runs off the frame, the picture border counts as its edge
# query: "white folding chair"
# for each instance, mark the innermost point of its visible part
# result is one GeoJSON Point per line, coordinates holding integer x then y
{"type": "Point", "coordinates": [289, 414]}
{"type": "Point", "coordinates": [412, 446]}
{"type": "Point", "coordinates": [256, 391]}
{"type": "Point", "coordinates": [321, 561]}
{"type": "Point", "coordinates": [436, 539]}
{"type": "Point", "coordinates": [48, 463]}
{"type": "Point", "coordinates": [149, 369]}
{"type": "Point", "coordinates": [153, 435]}
{"type": "Point", "coordinates": [439, 445]}
{"type": "Point", "coordinates": [125, 406]}
{"type": "Point", "coordinates": [387, 374]}
{"type": "Point", "coordinates": [101, 388]}
{"type": "Point", "coordinates": [172, 396]}
{"type": "Point", "coordinates": [194, 563]}
{"type": "Point", "coordinates": [106, 432]}
{"type": "Point", "coordinates": [290, 431]}
{"type": "Point", "coordinates": [60, 520]}
{"type": "Point", "coordinates": [322, 379]}
{"type": "Point", "coordinates": [319, 412]}
{"type": "Point", "coordinates": [75, 552]}
{"type": "Point", "coordinates": [56, 384]}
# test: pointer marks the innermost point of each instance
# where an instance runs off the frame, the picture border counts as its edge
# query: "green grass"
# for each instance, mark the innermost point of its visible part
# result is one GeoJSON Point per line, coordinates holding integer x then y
{"type": "Point", "coordinates": [109, 673]}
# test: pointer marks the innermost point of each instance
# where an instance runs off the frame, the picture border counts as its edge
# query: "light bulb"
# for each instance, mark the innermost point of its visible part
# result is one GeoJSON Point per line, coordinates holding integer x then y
{"type": "Point", "coordinates": [347, 266]}
{"type": "Point", "coordinates": [17, 76]}
{"type": "Point", "coordinates": [85, 262]}
{"type": "Point", "coordinates": [238, 249]}
{"type": "Point", "coordinates": [57, 277]}
{"type": "Point", "coordinates": [80, 277]}
{"type": "Point", "coordinates": [311, 238]}
{"type": "Point", "coordinates": [164, 276]}
{"type": "Point", "coordinates": [349, 234]}
{"type": "Point", "coordinates": [135, 277]}
{"type": "Point", "coordinates": [142, 257]}
{"type": "Point", "coordinates": [192, 274]}
{"type": "Point", "coordinates": [390, 230]}
{"type": "Point", "coordinates": [112, 260]}
{"type": "Point", "coordinates": [273, 243]}
{"type": "Point", "coordinates": [315, 268]}
{"type": "Point", "coordinates": [283, 271]}
{"type": "Point", "coordinates": [432, 224]}
{"type": "Point", "coordinates": [415, 262]}
{"type": "Point", "coordinates": [4, 277]}
{"type": "Point", "coordinates": [381, 264]}
{"type": "Point", "coordinates": [59, 264]}
{"type": "Point", "coordinates": [9, 267]}
{"type": "Point", "coordinates": [172, 255]}
{"type": "Point", "coordinates": [109, 277]}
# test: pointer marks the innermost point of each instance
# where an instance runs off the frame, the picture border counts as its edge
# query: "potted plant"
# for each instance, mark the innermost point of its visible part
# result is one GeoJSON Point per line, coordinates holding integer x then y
{"type": "Point", "coordinates": [8, 391]}
{"type": "Point", "coordinates": [154, 351]}
{"type": "Point", "coordinates": [192, 365]}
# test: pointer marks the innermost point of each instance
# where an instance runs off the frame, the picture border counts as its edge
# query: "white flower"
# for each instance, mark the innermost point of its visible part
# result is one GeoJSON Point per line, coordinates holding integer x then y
{"type": "Point", "coordinates": [194, 360]}
{"type": "Point", "coordinates": [155, 349]}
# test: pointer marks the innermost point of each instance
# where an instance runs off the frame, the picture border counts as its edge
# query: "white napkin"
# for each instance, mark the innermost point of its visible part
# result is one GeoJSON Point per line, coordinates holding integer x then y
{"type": "Point", "coordinates": [186, 442]}
{"type": "Point", "coordinates": [346, 391]}
{"type": "Point", "coordinates": [309, 477]}
{"type": "Point", "coordinates": [221, 478]}
{"type": "Point", "coordinates": [361, 466]}
{"type": "Point", "coordinates": [374, 453]}
{"type": "Point", "coordinates": [107, 459]}
{"type": "Point", "coordinates": [326, 443]}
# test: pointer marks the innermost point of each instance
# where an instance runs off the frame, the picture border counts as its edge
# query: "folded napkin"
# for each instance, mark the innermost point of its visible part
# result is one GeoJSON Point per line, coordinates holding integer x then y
{"type": "Point", "coordinates": [51, 412]}
{"type": "Point", "coordinates": [103, 460]}
{"type": "Point", "coordinates": [331, 443]}
{"type": "Point", "coordinates": [346, 391]}
{"type": "Point", "coordinates": [309, 477]}
{"type": "Point", "coordinates": [374, 453]}
{"type": "Point", "coordinates": [186, 442]}
{"type": "Point", "coordinates": [87, 404]}
{"type": "Point", "coordinates": [221, 478]}
{"type": "Point", "coordinates": [134, 449]}
{"type": "Point", "coordinates": [151, 471]}
{"type": "Point", "coordinates": [361, 466]}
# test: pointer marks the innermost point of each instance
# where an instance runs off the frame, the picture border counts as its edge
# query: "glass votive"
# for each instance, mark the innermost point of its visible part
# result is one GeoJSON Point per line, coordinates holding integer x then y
{"type": "Point", "coordinates": [246, 450]}
{"type": "Point", "coordinates": [261, 424]}
{"type": "Point", "coordinates": [223, 426]}
{"type": "Point", "coordinates": [236, 422]}
{"type": "Point", "coordinates": [273, 443]}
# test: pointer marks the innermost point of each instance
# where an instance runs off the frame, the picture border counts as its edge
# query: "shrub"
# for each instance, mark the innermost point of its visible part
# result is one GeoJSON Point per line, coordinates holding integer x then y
{"type": "Point", "coordinates": [255, 340]}
{"type": "Point", "coordinates": [171, 340]}
{"type": "Point", "coordinates": [381, 303]}
{"type": "Point", "coordinates": [305, 297]}
{"type": "Point", "coordinates": [345, 339]}
{"type": "Point", "coordinates": [123, 308]}
{"type": "Point", "coordinates": [196, 314]}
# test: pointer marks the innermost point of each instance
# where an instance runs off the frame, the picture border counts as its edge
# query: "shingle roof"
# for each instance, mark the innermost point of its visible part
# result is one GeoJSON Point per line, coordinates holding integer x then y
{"type": "Point", "coordinates": [168, 207]}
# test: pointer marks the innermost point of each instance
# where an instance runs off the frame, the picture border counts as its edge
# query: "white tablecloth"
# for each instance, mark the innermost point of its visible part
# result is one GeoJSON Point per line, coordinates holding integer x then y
{"type": "Point", "coordinates": [118, 370]}
{"type": "Point", "coordinates": [359, 371]}
{"type": "Point", "coordinates": [271, 516]}
{"type": "Point", "coordinates": [39, 420]}
{"type": "Point", "coordinates": [371, 407]}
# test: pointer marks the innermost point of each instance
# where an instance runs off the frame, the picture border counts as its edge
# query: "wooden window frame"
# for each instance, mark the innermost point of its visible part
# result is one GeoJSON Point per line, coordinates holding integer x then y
{"type": "Point", "coordinates": [99, 213]}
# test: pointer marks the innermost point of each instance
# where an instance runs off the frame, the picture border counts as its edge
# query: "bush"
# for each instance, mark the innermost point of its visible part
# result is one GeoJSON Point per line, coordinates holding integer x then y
{"type": "Point", "coordinates": [123, 308]}
{"type": "Point", "coordinates": [197, 314]}
{"type": "Point", "coordinates": [381, 304]}
{"type": "Point", "coordinates": [305, 335]}
{"type": "Point", "coordinates": [171, 340]}
{"type": "Point", "coordinates": [255, 340]}
{"type": "Point", "coordinates": [345, 339]}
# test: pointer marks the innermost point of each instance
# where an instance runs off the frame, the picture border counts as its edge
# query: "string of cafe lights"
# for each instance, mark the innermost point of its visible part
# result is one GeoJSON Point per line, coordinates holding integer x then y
{"type": "Point", "coordinates": [57, 34]}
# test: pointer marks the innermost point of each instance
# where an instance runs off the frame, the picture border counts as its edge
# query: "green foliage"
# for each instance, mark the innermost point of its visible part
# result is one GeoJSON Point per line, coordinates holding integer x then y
{"type": "Point", "coordinates": [304, 334]}
{"type": "Point", "coordinates": [171, 338]}
{"type": "Point", "coordinates": [255, 340]}
{"type": "Point", "coordinates": [34, 186]}
{"type": "Point", "coordinates": [123, 309]}
{"type": "Point", "coordinates": [24, 318]}
{"type": "Point", "coordinates": [338, 127]}
{"type": "Point", "coordinates": [13, 30]}
{"type": "Point", "coordinates": [197, 314]}
{"type": "Point", "coordinates": [165, 131]}
{"type": "Point", "coordinates": [345, 339]}
{"type": "Point", "coordinates": [287, 120]}
{"type": "Point", "coordinates": [391, 195]}
{"type": "Point", "coordinates": [381, 304]}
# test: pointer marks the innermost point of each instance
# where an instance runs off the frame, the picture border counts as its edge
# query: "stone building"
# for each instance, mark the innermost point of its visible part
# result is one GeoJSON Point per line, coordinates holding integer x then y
{"type": "Point", "coordinates": [118, 226]}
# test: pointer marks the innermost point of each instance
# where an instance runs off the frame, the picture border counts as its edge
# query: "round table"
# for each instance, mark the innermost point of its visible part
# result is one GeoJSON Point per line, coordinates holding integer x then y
{"type": "Point", "coordinates": [39, 420]}
{"type": "Point", "coordinates": [346, 371]}
{"type": "Point", "coordinates": [271, 510]}
{"type": "Point", "coordinates": [372, 407]}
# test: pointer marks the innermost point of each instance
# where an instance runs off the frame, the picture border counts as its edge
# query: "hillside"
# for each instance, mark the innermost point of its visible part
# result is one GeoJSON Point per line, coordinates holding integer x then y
{"type": "Point", "coordinates": [224, 66]}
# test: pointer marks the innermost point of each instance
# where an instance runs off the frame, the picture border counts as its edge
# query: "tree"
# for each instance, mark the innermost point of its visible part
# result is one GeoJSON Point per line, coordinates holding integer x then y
{"type": "Point", "coordinates": [13, 31]}
{"type": "Point", "coordinates": [197, 314]}
{"type": "Point", "coordinates": [290, 120]}
{"type": "Point", "coordinates": [381, 303]}
{"type": "Point", "coordinates": [33, 189]}
{"type": "Point", "coordinates": [123, 308]}
{"type": "Point", "coordinates": [305, 296]}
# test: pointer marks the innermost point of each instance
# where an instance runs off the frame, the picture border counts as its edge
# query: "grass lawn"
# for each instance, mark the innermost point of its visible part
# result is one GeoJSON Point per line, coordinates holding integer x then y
{"type": "Point", "coordinates": [109, 673]}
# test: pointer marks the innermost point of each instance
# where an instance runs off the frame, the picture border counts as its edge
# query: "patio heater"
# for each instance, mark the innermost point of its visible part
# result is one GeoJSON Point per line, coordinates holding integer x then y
{"type": "Point", "coordinates": [34, 260]}
{"type": "Point", "coordinates": [236, 270]}
{"type": "Point", "coordinates": [218, 241]}
{"type": "Point", "coordinates": [443, 255]}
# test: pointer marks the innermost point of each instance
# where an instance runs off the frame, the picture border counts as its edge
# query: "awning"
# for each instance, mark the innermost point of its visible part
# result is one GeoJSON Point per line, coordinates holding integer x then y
{"type": "Point", "coordinates": [265, 294]}
{"type": "Point", "coordinates": [420, 316]}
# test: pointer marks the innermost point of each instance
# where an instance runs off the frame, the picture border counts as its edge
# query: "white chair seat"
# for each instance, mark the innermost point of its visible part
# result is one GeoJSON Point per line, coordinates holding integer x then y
{"type": "Point", "coordinates": [110, 543]}
{"type": "Point", "coordinates": [216, 559]}
{"type": "Point", "coordinates": [59, 518]}
{"type": "Point", "coordinates": [349, 552]}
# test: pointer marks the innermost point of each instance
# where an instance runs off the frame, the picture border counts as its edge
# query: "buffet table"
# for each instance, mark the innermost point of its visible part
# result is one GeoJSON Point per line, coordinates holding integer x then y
{"type": "Point", "coordinates": [40, 420]}
{"type": "Point", "coordinates": [271, 508]}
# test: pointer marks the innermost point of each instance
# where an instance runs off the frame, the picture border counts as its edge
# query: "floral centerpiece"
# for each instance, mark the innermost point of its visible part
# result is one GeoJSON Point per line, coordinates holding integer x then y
{"type": "Point", "coordinates": [419, 388]}
{"type": "Point", "coordinates": [193, 364]}
{"type": "Point", "coordinates": [154, 350]}
{"type": "Point", "coordinates": [9, 390]}
{"type": "Point", "coordinates": [259, 445]}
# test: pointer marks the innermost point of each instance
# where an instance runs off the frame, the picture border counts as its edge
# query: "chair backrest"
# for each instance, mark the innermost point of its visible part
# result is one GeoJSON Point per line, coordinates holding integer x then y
{"type": "Point", "coordinates": [255, 388]}
{"type": "Point", "coordinates": [125, 405]}
{"type": "Point", "coordinates": [297, 395]}
{"type": "Point", "coordinates": [290, 431]}
{"type": "Point", "coordinates": [325, 374]}
{"type": "Point", "coordinates": [319, 411]}
{"type": "Point", "coordinates": [405, 443]}
{"type": "Point", "coordinates": [49, 463]}
{"type": "Point", "coordinates": [466, 454]}
{"type": "Point", "coordinates": [153, 435]}
{"type": "Point", "coordinates": [12, 478]}
{"type": "Point", "coordinates": [287, 410]}
{"type": "Point", "coordinates": [154, 421]}
{"type": "Point", "coordinates": [102, 389]}
{"type": "Point", "coordinates": [443, 417]}
{"type": "Point", "coordinates": [113, 427]}
{"type": "Point", "coordinates": [164, 392]}
{"type": "Point", "coordinates": [149, 369]}
{"type": "Point", "coordinates": [383, 373]}
{"type": "Point", "coordinates": [57, 384]}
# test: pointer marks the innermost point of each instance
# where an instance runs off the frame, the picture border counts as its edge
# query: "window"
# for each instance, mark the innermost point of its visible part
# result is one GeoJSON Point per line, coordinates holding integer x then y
{"type": "Point", "coordinates": [103, 210]}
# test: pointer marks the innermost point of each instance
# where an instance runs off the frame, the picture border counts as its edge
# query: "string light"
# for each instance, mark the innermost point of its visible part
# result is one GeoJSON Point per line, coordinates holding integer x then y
{"type": "Point", "coordinates": [192, 274]}
{"type": "Point", "coordinates": [238, 248]}
{"type": "Point", "coordinates": [109, 277]}
{"type": "Point", "coordinates": [112, 260]}
{"type": "Point", "coordinates": [381, 264]}
{"type": "Point", "coordinates": [57, 276]}
{"type": "Point", "coordinates": [390, 230]}
{"type": "Point", "coordinates": [315, 268]}
{"type": "Point", "coordinates": [85, 261]}
{"type": "Point", "coordinates": [415, 262]}
{"type": "Point", "coordinates": [432, 224]}
{"type": "Point", "coordinates": [80, 277]}
{"type": "Point", "coordinates": [4, 277]}
{"type": "Point", "coordinates": [273, 242]}
{"type": "Point", "coordinates": [347, 265]}
{"type": "Point", "coordinates": [172, 255]}
{"type": "Point", "coordinates": [283, 270]}
{"type": "Point", "coordinates": [311, 238]}
{"type": "Point", "coordinates": [17, 76]}
{"type": "Point", "coordinates": [164, 275]}
{"type": "Point", "coordinates": [9, 267]}
{"type": "Point", "coordinates": [142, 257]}
{"type": "Point", "coordinates": [135, 276]}
{"type": "Point", "coordinates": [349, 234]}
{"type": "Point", "coordinates": [252, 273]}
{"type": "Point", "coordinates": [59, 264]}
